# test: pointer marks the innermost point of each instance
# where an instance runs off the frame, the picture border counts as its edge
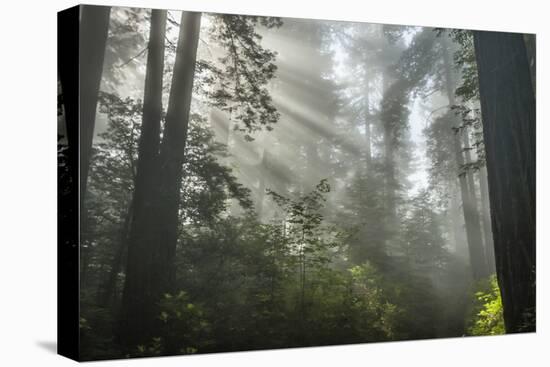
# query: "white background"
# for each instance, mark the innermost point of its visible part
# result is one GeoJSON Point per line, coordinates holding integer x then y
{"type": "Point", "coordinates": [28, 183]}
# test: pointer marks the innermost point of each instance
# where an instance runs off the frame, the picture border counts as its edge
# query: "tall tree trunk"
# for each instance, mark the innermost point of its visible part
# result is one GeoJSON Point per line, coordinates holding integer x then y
{"type": "Point", "coordinates": [172, 155]}
{"type": "Point", "coordinates": [469, 207]}
{"type": "Point", "coordinates": [508, 111]}
{"type": "Point", "coordinates": [389, 170]}
{"type": "Point", "coordinates": [486, 221]}
{"type": "Point", "coordinates": [476, 217]}
{"type": "Point", "coordinates": [94, 26]}
{"type": "Point", "coordinates": [368, 150]}
{"type": "Point", "coordinates": [393, 92]}
{"type": "Point", "coordinates": [172, 152]}
{"type": "Point", "coordinates": [458, 226]}
{"type": "Point", "coordinates": [469, 172]}
{"type": "Point", "coordinates": [141, 288]}
{"type": "Point", "coordinates": [263, 171]}
{"type": "Point", "coordinates": [471, 220]}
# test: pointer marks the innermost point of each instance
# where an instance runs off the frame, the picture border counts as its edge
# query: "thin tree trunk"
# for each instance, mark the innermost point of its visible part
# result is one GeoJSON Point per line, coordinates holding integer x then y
{"type": "Point", "coordinates": [471, 220]}
{"type": "Point", "coordinates": [263, 172]}
{"type": "Point", "coordinates": [172, 151]}
{"type": "Point", "coordinates": [508, 111]}
{"type": "Point", "coordinates": [471, 215]}
{"type": "Point", "coordinates": [141, 289]}
{"type": "Point", "coordinates": [468, 161]}
{"type": "Point", "coordinates": [458, 227]}
{"type": "Point", "coordinates": [389, 171]}
{"type": "Point", "coordinates": [476, 218]}
{"type": "Point", "coordinates": [368, 153]}
{"type": "Point", "coordinates": [486, 220]}
{"type": "Point", "coordinates": [393, 94]}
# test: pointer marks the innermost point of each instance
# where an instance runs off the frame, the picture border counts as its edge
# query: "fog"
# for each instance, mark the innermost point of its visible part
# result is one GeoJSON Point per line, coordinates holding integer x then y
{"type": "Point", "coordinates": [363, 197]}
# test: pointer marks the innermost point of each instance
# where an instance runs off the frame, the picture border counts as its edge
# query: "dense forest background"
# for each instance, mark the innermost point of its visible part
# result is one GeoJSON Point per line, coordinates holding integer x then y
{"type": "Point", "coordinates": [255, 182]}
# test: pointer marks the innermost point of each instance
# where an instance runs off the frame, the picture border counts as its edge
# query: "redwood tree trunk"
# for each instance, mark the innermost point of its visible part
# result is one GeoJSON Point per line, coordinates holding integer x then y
{"type": "Point", "coordinates": [486, 221]}
{"type": "Point", "coordinates": [141, 287]}
{"type": "Point", "coordinates": [172, 154]}
{"type": "Point", "coordinates": [471, 215]}
{"type": "Point", "coordinates": [94, 26]}
{"type": "Point", "coordinates": [172, 151]}
{"type": "Point", "coordinates": [471, 220]}
{"type": "Point", "coordinates": [508, 111]}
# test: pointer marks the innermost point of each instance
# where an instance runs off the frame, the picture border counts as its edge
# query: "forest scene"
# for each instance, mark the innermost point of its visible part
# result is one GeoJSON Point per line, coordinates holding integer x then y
{"type": "Point", "coordinates": [251, 182]}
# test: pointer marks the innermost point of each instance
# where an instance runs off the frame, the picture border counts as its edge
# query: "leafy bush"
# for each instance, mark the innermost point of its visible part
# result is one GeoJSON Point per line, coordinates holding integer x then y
{"type": "Point", "coordinates": [487, 317]}
{"type": "Point", "coordinates": [183, 330]}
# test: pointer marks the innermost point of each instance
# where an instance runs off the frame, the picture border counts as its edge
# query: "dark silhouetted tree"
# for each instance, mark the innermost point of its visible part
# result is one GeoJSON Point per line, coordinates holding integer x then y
{"type": "Point", "coordinates": [508, 112]}
{"type": "Point", "coordinates": [143, 286]}
{"type": "Point", "coordinates": [94, 26]}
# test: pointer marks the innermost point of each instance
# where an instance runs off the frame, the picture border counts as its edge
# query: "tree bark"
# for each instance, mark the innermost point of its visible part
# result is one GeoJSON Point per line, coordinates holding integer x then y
{"type": "Point", "coordinates": [486, 221]}
{"type": "Point", "coordinates": [171, 159]}
{"type": "Point", "coordinates": [508, 111]}
{"type": "Point", "coordinates": [141, 287]}
{"type": "Point", "coordinates": [172, 151]}
{"type": "Point", "coordinates": [475, 217]}
{"type": "Point", "coordinates": [94, 26]}
{"type": "Point", "coordinates": [469, 207]}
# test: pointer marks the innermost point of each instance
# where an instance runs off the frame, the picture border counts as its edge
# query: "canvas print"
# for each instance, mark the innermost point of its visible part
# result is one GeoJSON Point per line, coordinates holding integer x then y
{"type": "Point", "coordinates": [236, 182]}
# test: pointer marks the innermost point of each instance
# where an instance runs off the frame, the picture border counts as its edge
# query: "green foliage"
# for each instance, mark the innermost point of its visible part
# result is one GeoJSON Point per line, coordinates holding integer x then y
{"type": "Point", "coordinates": [305, 236]}
{"type": "Point", "coordinates": [373, 303]}
{"type": "Point", "coordinates": [317, 268]}
{"type": "Point", "coordinates": [465, 61]}
{"type": "Point", "coordinates": [274, 285]}
{"type": "Point", "coordinates": [96, 326]}
{"type": "Point", "coordinates": [83, 324]}
{"type": "Point", "coordinates": [366, 216]}
{"type": "Point", "coordinates": [441, 155]}
{"type": "Point", "coordinates": [236, 267]}
{"type": "Point", "coordinates": [240, 83]}
{"type": "Point", "coordinates": [419, 60]}
{"type": "Point", "coordinates": [127, 30]}
{"type": "Point", "coordinates": [183, 328]}
{"type": "Point", "coordinates": [487, 317]}
{"type": "Point", "coordinates": [206, 189]}
{"type": "Point", "coordinates": [207, 185]}
{"type": "Point", "coordinates": [468, 91]}
{"type": "Point", "coordinates": [153, 349]}
{"type": "Point", "coordinates": [423, 241]}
